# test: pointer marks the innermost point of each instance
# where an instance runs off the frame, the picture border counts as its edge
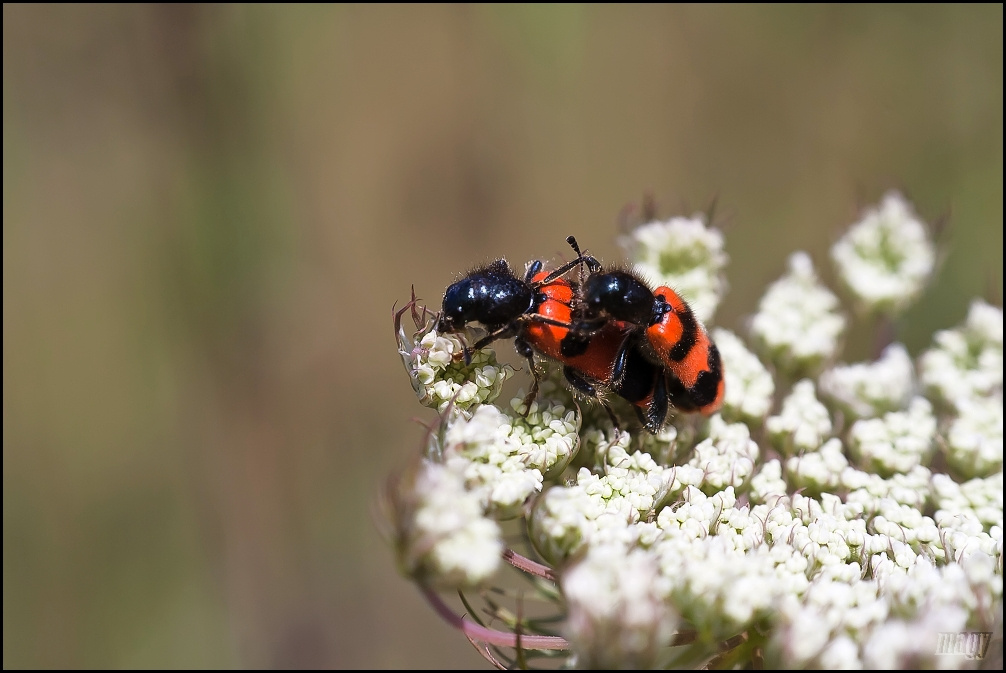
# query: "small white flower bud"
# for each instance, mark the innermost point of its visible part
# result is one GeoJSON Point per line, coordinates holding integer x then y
{"type": "Point", "coordinates": [798, 323]}
{"type": "Point", "coordinates": [684, 254]}
{"type": "Point", "coordinates": [748, 384]}
{"type": "Point", "coordinates": [886, 258]}
{"type": "Point", "coordinates": [871, 388]}
{"type": "Point", "coordinates": [803, 424]}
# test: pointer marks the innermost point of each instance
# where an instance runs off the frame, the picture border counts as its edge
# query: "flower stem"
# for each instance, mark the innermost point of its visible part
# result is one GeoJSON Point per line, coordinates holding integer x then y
{"type": "Point", "coordinates": [491, 636]}
{"type": "Point", "coordinates": [527, 565]}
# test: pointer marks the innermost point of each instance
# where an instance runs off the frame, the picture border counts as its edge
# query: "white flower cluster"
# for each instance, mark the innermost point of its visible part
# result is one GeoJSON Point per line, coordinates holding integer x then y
{"type": "Point", "coordinates": [975, 438]}
{"type": "Point", "coordinates": [767, 484]}
{"type": "Point", "coordinates": [748, 384]}
{"type": "Point", "coordinates": [818, 471]}
{"type": "Point", "coordinates": [886, 258]}
{"type": "Point", "coordinates": [804, 423]}
{"type": "Point", "coordinates": [444, 538]}
{"type": "Point", "coordinates": [727, 456]}
{"type": "Point", "coordinates": [866, 389]}
{"type": "Point", "coordinates": [897, 442]}
{"type": "Point", "coordinates": [684, 254]}
{"type": "Point", "coordinates": [618, 613]}
{"type": "Point", "coordinates": [664, 446]}
{"type": "Point", "coordinates": [609, 507]}
{"type": "Point", "coordinates": [893, 620]}
{"type": "Point", "coordinates": [967, 363]}
{"type": "Point", "coordinates": [724, 573]}
{"type": "Point", "coordinates": [834, 582]}
{"type": "Point", "coordinates": [868, 489]}
{"type": "Point", "coordinates": [504, 458]}
{"type": "Point", "coordinates": [798, 323]}
{"type": "Point", "coordinates": [482, 466]}
{"type": "Point", "coordinates": [846, 531]}
{"type": "Point", "coordinates": [972, 507]}
{"type": "Point", "coordinates": [440, 376]}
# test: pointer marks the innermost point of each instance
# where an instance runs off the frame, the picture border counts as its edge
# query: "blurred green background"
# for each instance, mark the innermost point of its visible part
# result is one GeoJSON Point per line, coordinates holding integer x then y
{"type": "Point", "coordinates": [210, 210]}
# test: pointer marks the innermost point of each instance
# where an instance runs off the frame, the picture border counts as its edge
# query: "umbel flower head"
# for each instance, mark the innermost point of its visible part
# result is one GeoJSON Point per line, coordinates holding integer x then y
{"type": "Point", "coordinates": [886, 258]}
{"type": "Point", "coordinates": [683, 253]}
{"type": "Point", "coordinates": [828, 515]}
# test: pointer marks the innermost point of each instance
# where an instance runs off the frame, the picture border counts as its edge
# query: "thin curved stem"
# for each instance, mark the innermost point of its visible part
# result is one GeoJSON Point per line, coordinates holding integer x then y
{"type": "Point", "coordinates": [486, 635]}
{"type": "Point", "coordinates": [527, 565]}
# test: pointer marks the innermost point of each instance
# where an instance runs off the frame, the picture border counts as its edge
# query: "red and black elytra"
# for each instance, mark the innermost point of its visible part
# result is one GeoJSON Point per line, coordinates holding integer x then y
{"type": "Point", "coordinates": [668, 332]}
{"type": "Point", "coordinates": [684, 347]}
{"type": "Point", "coordinates": [607, 361]}
{"type": "Point", "coordinates": [537, 312]}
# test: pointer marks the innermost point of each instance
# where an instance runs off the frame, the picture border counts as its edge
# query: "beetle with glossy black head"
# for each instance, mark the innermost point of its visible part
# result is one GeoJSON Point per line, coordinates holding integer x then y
{"type": "Point", "coordinates": [667, 330]}
{"type": "Point", "coordinates": [537, 311]}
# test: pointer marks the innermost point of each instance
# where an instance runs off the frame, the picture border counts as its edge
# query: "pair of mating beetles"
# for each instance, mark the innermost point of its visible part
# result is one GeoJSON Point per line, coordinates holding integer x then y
{"type": "Point", "coordinates": [610, 332]}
